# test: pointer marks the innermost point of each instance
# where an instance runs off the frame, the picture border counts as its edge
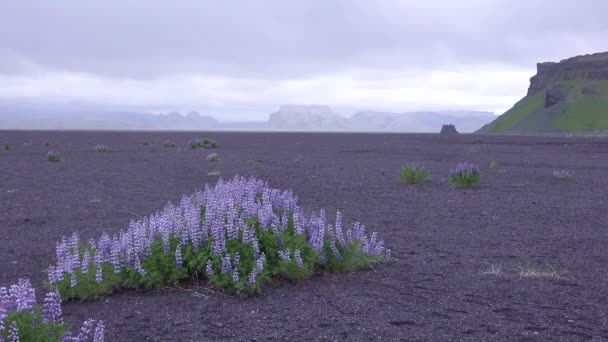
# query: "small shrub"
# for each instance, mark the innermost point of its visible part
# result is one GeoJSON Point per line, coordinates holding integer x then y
{"type": "Point", "coordinates": [213, 157]}
{"type": "Point", "coordinates": [414, 174]}
{"type": "Point", "coordinates": [239, 235]}
{"type": "Point", "coordinates": [7, 146]}
{"type": "Point", "coordinates": [465, 175]}
{"type": "Point", "coordinates": [53, 156]}
{"type": "Point", "coordinates": [145, 142]}
{"type": "Point", "coordinates": [101, 148]}
{"type": "Point", "coordinates": [46, 144]}
{"type": "Point", "coordinates": [197, 143]}
{"type": "Point", "coordinates": [168, 144]}
{"type": "Point", "coordinates": [563, 174]}
{"type": "Point", "coordinates": [493, 164]}
{"type": "Point", "coordinates": [21, 319]}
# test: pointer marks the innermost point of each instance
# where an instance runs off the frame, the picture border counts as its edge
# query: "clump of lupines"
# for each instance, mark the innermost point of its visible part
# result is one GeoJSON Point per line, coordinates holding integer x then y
{"type": "Point", "coordinates": [414, 174]}
{"type": "Point", "coordinates": [21, 319]}
{"type": "Point", "coordinates": [465, 175]}
{"type": "Point", "coordinates": [196, 143]}
{"type": "Point", "coordinates": [239, 234]}
{"type": "Point", "coordinates": [53, 156]}
{"type": "Point", "coordinates": [563, 174]}
{"type": "Point", "coordinates": [213, 157]}
{"type": "Point", "coordinates": [101, 148]}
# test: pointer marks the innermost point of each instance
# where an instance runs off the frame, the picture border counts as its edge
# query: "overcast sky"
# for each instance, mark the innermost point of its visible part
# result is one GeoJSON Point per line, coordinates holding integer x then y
{"type": "Point", "coordinates": [241, 59]}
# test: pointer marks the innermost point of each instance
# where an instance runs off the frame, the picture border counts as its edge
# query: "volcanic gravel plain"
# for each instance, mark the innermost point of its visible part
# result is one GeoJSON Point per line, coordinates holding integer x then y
{"type": "Point", "coordinates": [520, 257]}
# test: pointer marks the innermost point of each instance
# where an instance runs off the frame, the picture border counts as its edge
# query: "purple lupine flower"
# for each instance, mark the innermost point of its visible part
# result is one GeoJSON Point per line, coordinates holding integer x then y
{"type": "Point", "coordinates": [252, 278]}
{"type": "Point", "coordinates": [139, 268]}
{"type": "Point", "coordinates": [285, 256]}
{"type": "Point", "coordinates": [98, 268]}
{"type": "Point", "coordinates": [51, 309]}
{"type": "Point", "coordinates": [236, 260]}
{"type": "Point", "coordinates": [387, 253]}
{"type": "Point", "coordinates": [23, 295]}
{"type": "Point", "coordinates": [85, 331]}
{"type": "Point", "coordinates": [298, 258]}
{"type": "Point", "coordinates": [209, 268]}
{"type": "Point", "coordinates": [235, 276]}
{"type": "Point", "coordinates": [86, 260]}
{"type": "Point", "coordinates": [260, 263]}
{"type": "Point", "coordinates": [563, 174]}
{"type": "Point", "coordinates": [338, 230]}
{"type": "Point", "coordinates": [53, 155]}
{"type": "Point", "coordinates": [226, 267]}
{"type": "Point", "coordinates": [99, 332]}
{"type": "Point", "coordinates": [13, 332]}
{"type": "Point", "coordinates": [178, 257]}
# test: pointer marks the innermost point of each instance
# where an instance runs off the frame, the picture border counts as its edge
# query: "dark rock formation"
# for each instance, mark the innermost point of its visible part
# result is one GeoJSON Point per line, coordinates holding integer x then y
{"type": "Point", "coordinates": [554, 95]}
{"type": "Point", "coordinates": [591, 67]}
{"type": "Point", "coordinates": [448, 129]}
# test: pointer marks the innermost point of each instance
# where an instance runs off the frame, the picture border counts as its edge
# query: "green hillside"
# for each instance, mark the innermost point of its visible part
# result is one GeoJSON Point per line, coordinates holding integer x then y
{"type": "Point", "coordinates": [582, 106]}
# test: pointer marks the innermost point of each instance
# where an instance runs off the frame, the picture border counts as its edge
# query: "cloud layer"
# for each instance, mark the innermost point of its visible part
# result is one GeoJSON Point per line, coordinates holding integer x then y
{"type": "Point", "coordinates": [242, 59]}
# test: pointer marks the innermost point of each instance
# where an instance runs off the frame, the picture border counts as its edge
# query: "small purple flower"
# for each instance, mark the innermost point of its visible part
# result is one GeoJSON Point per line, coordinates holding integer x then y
{"type": "Point", "coordinates": [85, 331]}
{"type": "Point", "coordinates": [235, 276]}
{"type": "Point", "coordinates": [285, 256]}
{"type": "Point", "coordinates": [86, 260]}
{"type": "Point", "coordinates": [298, 258]}
{"type": "Point", "coordinates": [99, 332]}
{"type": "Point", "coordinates": [178, 257]}
{"type": "Point", "coordinates": [252, 278]}
{"type": "Point", "coordinates": [23, 295]}
{"type": "Point", "coordinates": [209, 269]}
{"type": "Point", "coordinates": [51, 309]}
{"type": "Point", "coordinates": [53, 155]}
{"type": "Point", "coordinates": [13, 332]}
{"type": "Point", "coordinates": [226, 266]}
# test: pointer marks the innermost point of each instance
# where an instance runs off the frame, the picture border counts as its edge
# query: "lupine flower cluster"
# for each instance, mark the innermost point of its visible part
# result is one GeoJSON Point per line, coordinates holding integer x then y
{"type": "Point", "coordinates": [101, 148]}
{"type": "Point", "coordinates": [53, 156]}
{"type": "Point", "coordinates": [465, 175]}
{"type": "Point", "coordinates": [196, 143]}
{"type": "Point", "coordinates": [240, 234]}
{"type": "Point", "coordinates": [213, 157]}
{"type": "Point", "coordinates": [563, 174]}
{"type": "Point", "coordinates": [414, 174]}
{"type": "Point", "coordinates": [21, 319]}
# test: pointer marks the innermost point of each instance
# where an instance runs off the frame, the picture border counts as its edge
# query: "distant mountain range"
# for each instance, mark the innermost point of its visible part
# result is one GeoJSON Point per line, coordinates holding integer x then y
{"type": "Point", "coordinates": [287, 118]}
{"type": "Point", "coordinates": [566, 97]}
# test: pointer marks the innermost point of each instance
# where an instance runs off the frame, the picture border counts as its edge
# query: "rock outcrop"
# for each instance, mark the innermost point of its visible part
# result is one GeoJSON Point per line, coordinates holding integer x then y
{"type": "Point", "coordinates": [448, 129]}
{"type": "Point", "coordinates": [569, 96]}
{"type": "Point", "coordinates": [589, 67]}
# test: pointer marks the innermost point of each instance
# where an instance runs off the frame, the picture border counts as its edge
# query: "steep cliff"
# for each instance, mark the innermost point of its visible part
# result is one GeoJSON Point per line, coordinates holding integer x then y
{"type": "Point", "coordinates": [569, 96]}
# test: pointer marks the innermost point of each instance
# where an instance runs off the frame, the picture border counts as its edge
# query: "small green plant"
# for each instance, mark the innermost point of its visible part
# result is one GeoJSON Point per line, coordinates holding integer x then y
{"type": "Point", "coordinates": [145, 142]}
{"type": "Point", "coordinates": [414, 174]}
{"type": "Point", "coordinates": [255, 164]}
{"type": "Point", "coordinates": [101, 148]}
{"type": "Point", "coordinates": [563, 174]}
{"type": "Point", "coordinates": [493, 164]}
{"type": "Point", "coordinates": [153, 148]}
{"type": "Point", "coordinates": [168, 144]}
{"type": "Point", "coordinates": [197, 143]}
{"type": "Point", "coordinates": [465, 175]}
{"type": "Point", "coordinates": [53, 156]}
{"type": "Point", "coordinates": [213, 157]}
{"type": "Point", "coordinates": [7, 146]}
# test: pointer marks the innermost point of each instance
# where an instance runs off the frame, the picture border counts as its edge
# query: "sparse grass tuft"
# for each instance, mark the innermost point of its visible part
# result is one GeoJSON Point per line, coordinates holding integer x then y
{"type": "Point", "coordinates": [213, 157]}
{"type": "Point", "coordinates": [145, 142]}
{"type": "Point", "coordinates": [414, 174]}
{"type": "Point", "coordinates": [101, 148]}
{"type": "Point", "coordinates": [169, 144]}
{"type": "Point", "coordinates": [496, 270]}
{"type": "Point", "coordinates": [534, 271]}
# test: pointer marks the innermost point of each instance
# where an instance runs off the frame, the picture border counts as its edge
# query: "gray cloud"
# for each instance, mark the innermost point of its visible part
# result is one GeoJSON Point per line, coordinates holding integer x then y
{"type": "Point", "coordinates": [292, 39]}
{"type": "Point", "coordinates": [261, 52]}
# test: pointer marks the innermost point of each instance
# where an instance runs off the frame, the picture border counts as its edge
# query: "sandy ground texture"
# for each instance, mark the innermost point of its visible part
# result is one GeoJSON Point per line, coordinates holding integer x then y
{"type": "Point", "coordinates": [522, 256]}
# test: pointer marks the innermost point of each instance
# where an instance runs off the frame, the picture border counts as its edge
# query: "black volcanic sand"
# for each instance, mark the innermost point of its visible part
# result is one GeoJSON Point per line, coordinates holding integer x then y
{"type": "Point", "coordinates": [444, 240]}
